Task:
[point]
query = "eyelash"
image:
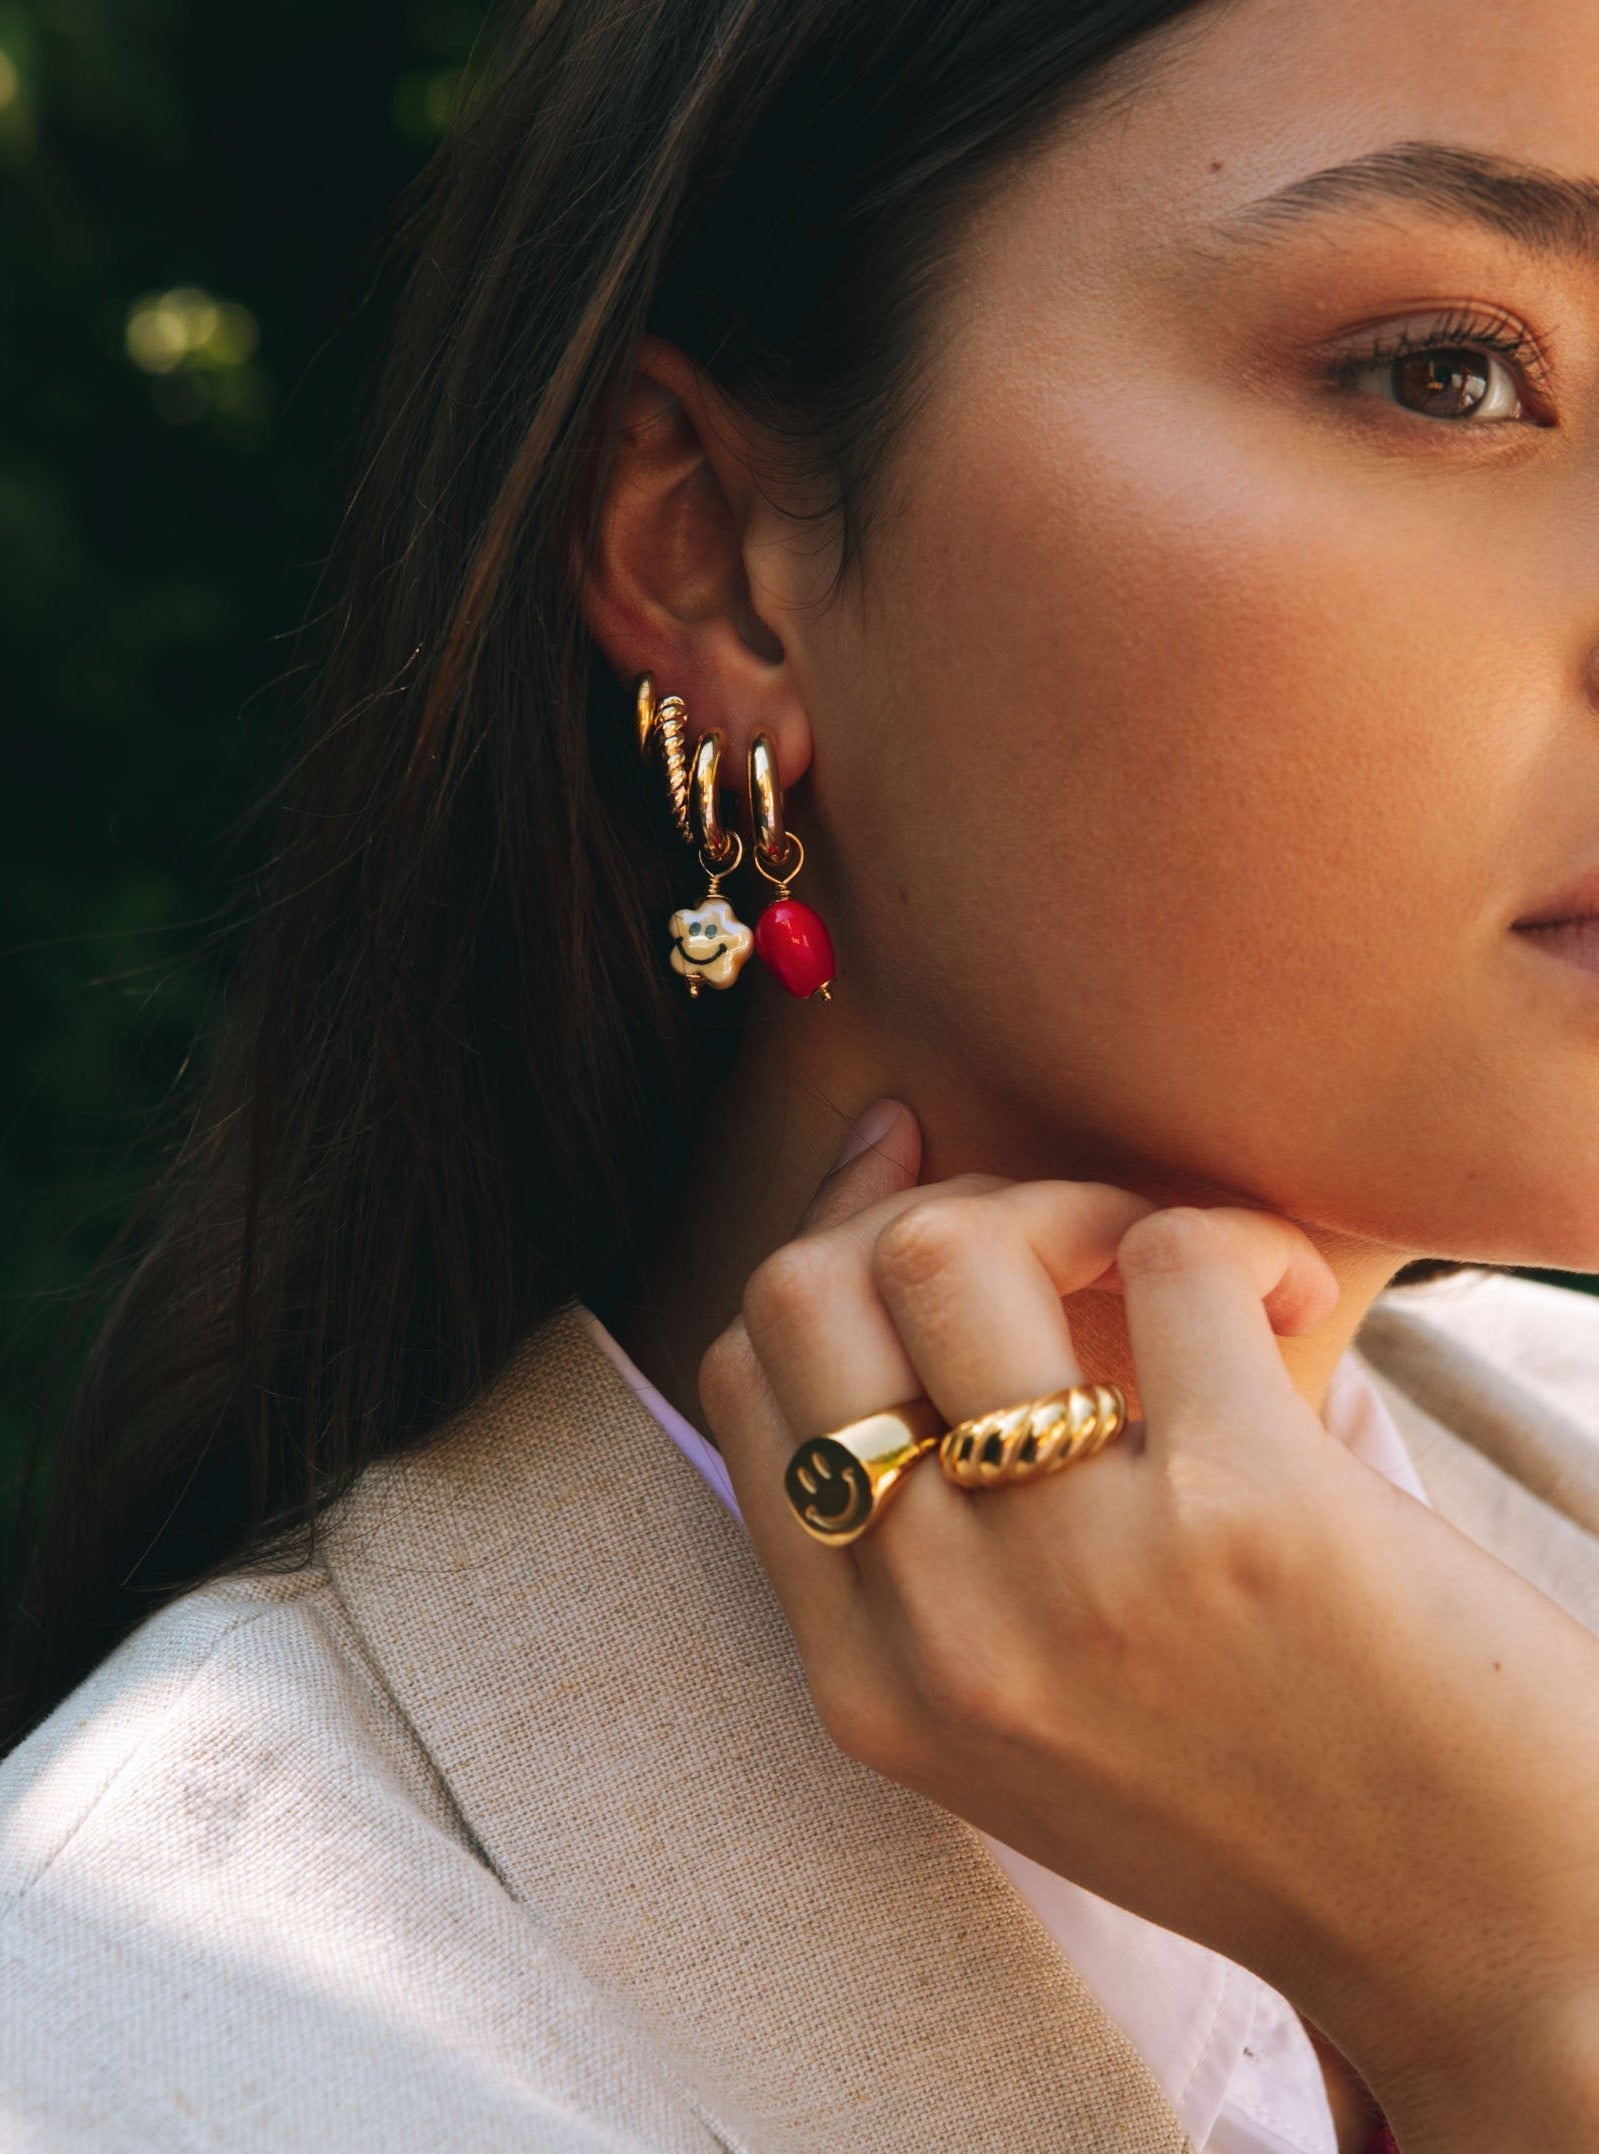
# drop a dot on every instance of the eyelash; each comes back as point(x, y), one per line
point(1506, 339)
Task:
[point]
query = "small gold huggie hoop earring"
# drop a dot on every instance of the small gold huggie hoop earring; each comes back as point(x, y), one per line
point(766, 807)
point(791, 940)
point(720, 849)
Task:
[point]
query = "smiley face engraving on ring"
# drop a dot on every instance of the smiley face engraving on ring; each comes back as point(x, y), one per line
point(828, 1488)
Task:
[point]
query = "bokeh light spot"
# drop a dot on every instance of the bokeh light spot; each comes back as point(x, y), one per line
point(425, 102)
point(186, 327)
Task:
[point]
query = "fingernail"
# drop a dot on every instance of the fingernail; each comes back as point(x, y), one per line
point(868, 1128)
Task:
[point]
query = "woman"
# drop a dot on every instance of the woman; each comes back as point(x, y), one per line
point(1120, 481)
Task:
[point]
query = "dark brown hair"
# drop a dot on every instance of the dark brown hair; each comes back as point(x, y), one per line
point(442, 1096)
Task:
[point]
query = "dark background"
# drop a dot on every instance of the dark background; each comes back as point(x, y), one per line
point(191, 197)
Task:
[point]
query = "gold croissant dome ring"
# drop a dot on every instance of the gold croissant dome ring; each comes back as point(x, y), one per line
point(837, 1485)
point(1021, 1443)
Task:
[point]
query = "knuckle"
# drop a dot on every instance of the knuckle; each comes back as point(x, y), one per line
point(960, 1685)
point(1166, 1243)
point(920, 1244)
point(1225, 1539)
point(1198, 1499)
point(793, 1287)
point(1104, 1192)
point(975, 1694)
point(973, 1184)
point(966, 1673)
point(1111, 1620)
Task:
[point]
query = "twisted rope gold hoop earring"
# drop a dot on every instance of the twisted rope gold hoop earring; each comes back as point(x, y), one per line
point(664, 726)
point(709, 942)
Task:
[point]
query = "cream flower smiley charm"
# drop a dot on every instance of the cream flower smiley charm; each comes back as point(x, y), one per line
point(709, 944)
point(709, 941)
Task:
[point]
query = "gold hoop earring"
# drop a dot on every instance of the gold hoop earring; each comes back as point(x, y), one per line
point(709, 943)
point(723, 848)
point(663, 727)
point(791, 939)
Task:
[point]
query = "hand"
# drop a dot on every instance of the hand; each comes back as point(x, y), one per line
point(1221, 1672)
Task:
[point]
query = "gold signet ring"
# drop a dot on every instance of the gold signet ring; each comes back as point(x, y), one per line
point(837, 1484)
point(1018, 1443)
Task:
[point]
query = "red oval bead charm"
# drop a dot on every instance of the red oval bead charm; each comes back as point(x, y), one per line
point(792, 943)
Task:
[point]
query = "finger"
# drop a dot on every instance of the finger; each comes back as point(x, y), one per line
point(810, 1311)
point(825, 1346)
point(813, 1582)
point(880, 1156)
point(1303, 1297)
point(974, 1282)
point(1194, 1284)
point(814, 1315)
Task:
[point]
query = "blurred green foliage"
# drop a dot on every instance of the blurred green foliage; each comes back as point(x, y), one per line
point(191, 198)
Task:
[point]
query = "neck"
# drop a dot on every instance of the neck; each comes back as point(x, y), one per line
point(775, 1130)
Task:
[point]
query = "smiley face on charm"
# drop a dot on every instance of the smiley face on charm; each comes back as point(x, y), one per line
point(709, 944)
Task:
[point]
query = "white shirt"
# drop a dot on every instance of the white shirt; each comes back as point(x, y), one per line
point(1230, 2054)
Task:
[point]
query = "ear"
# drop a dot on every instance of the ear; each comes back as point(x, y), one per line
point(666, 588)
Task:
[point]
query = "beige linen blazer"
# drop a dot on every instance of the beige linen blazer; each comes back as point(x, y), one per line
point(508, 1824)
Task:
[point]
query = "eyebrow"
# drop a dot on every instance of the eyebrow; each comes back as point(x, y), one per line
point(1540, 210)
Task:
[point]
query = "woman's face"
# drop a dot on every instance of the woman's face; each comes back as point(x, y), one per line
point(1224, 687)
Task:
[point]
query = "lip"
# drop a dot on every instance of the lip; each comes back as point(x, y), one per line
point(1578, 901)
point(1573, 942)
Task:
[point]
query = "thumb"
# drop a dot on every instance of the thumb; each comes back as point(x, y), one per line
point(879, 1157)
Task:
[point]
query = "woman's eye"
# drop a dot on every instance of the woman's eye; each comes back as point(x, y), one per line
point(1444, 382)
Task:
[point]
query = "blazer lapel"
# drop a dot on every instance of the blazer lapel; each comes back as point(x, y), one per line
point(1504, 1463)
point(588, 1647)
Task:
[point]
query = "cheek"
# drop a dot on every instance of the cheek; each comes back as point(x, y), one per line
point(1221, 735)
